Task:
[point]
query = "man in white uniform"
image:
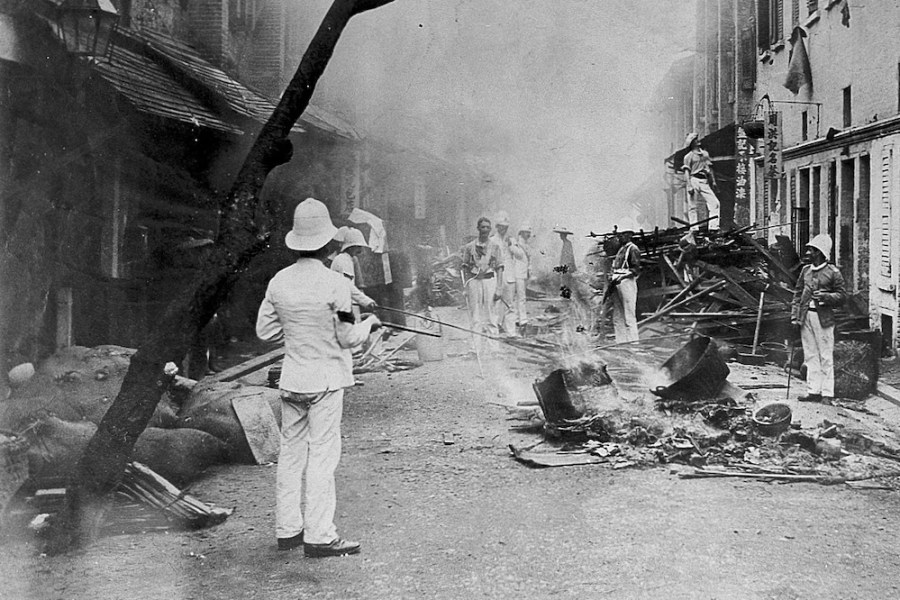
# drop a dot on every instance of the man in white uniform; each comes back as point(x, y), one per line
point(505, 306)
point(521, 253)
point(308, 307)
point(819, 290)
point(700, 181)
point(482, 267)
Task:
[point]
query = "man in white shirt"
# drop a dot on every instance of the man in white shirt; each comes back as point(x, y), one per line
point(308, 307)
point(700, 181)
point(505, 306)
point(352, 243)
point(520, 251)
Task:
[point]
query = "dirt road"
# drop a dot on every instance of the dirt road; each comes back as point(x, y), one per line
point(427, 485)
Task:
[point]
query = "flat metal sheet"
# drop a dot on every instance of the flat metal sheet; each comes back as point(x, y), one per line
point(259, 425)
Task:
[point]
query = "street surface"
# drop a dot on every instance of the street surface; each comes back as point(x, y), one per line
point(428, 487)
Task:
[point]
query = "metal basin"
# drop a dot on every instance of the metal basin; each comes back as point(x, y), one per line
point(695, 371)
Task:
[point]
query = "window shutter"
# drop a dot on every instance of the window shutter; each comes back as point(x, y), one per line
point(779, 21)
point(886, 212)
point(795, 13)
point(762, 23)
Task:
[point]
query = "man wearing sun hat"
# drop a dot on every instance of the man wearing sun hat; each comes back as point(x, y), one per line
point(700, 181)
point(505, 305)
point(308, 306)
point(521, 251)
point(819, 290)
point(352, 243)
point(567, 266)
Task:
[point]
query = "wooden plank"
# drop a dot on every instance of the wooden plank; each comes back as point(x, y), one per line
point(250, 366)
point(771, 258)
point(674, 271)
point(734, 287)
point(672, 307)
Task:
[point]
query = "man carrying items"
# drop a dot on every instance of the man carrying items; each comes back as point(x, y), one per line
point(700, 181)
point(626, 269)
point(482, 267)
point(820, 289)
point(521, 252)
point(308, 307)
point(505, 306)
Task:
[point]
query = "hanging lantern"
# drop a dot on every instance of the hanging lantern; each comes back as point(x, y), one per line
point(86, 26)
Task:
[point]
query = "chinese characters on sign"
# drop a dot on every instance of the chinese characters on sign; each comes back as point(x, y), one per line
point(773, 145)
point(742, 168)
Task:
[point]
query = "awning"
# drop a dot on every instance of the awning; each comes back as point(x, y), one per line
point(719, 144)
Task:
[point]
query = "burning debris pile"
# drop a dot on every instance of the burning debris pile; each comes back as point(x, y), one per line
point(693, 417)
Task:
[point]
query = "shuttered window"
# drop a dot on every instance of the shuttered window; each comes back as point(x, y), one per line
point(887, 160)
point(795, 13)
point(776, 21)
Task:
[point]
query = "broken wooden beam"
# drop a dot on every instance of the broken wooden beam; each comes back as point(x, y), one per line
point(250, 366)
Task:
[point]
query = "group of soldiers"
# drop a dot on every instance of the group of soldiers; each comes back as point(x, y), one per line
point(496, 266)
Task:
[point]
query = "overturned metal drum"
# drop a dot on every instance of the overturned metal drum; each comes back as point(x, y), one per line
point(695, 371)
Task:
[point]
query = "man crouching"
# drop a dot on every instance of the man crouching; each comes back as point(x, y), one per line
point(308, 306)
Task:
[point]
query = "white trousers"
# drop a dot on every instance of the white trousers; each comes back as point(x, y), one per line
point(520, 301)
point(480, 293)
point(703, 192)
point(505, 307)
point(624, 305)
point(818, 354)
point(310, 453)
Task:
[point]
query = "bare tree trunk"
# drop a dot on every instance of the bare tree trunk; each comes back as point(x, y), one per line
point(244, 234)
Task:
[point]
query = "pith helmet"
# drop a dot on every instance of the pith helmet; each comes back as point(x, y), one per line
point(822, 243)
point(502, 219)
point(690, 138)
point(353, 237)
point(312, 227)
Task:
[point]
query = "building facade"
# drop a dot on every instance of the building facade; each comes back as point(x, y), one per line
point(831, 71)
point(815, 88)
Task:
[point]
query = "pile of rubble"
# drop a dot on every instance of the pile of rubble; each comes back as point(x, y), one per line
point(696, 418)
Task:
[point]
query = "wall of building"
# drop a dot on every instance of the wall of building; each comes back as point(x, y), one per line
point(864, 55)
point(839, 162)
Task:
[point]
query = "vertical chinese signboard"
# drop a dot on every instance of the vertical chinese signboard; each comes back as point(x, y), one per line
point(773, 146)
point(743, 170)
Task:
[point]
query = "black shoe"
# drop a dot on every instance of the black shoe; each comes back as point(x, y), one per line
point(338, 547)
point(810, 398)
point(291, 542)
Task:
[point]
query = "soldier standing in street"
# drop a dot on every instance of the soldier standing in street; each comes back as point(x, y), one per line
point(505, 306)
point(819, 290)
point(482, 266)
point(626, 269)
point(521, 251)
point(308, 306)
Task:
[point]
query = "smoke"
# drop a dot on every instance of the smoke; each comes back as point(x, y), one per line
point(550, 96)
